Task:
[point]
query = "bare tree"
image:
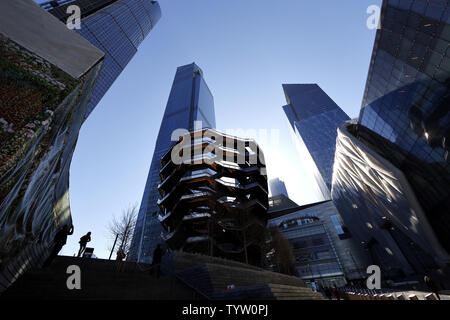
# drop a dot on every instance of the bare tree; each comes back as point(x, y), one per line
point(282, 255)
point(122, 229)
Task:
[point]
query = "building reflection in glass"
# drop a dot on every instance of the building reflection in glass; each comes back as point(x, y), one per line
point(391, 179)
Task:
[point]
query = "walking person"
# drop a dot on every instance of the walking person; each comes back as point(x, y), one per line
point(336, 293)
point(156, 262)
point(83, 242)
point(327, 293)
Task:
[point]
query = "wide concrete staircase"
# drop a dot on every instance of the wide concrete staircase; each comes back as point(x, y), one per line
point(184, 276)
point(217, 278)
point(269, 291)
point(100, 279)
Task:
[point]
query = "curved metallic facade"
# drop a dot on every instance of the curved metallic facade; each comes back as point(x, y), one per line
point(44, 96)
point(406, 102)
point(381, 209)
point(215, 198)
point(51, 79)
point(391, 180)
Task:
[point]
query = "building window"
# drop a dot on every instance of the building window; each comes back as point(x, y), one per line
point(318, 241)
point(341, 230)
point(323, 255)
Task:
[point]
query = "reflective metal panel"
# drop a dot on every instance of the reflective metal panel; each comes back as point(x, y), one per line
point(381, 209)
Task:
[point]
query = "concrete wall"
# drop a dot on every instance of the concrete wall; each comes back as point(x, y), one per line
point(33, 28)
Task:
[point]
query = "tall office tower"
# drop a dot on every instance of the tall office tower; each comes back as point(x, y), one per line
point(190, 100)
point(314, 118)
point(392, 168)
point(214, 197)
point(115, 27)
point(47, 75)
point(277, 187)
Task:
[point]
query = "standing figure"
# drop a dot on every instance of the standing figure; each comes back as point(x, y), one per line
point(120, 254)
point(157, 257)
point(328, 293)
point(59, 242)
point(336, 293)
point(83, 242)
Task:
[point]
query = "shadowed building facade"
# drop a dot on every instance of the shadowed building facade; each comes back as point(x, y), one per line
point(325, 253)
point(391, 179)
point(314, 118)
point(214, 196)
point(117, 27)
point(190, 101)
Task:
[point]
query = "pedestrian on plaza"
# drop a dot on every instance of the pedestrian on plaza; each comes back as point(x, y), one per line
point(328, 293)
point(156, 262)
point(59, 242)
point(83, 242)
point(336, 293)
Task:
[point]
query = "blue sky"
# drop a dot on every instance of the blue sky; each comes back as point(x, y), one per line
point(246, 49)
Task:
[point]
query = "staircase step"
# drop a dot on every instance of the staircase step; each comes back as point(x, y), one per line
point(100, 279)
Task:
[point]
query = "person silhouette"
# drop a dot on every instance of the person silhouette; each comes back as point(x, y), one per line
point(328, 293)
point(156, 262)
point(120, 254)
point(336, 293)
point(59, 242)
point(83, 242)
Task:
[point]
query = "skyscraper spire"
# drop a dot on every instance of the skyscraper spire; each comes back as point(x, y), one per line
point(314, 118)
point(190, 105)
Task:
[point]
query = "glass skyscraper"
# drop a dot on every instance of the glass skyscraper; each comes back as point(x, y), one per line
point(314, 117)
point(277, 187)
point(392, 168)
point(407, 100)
point(190, 101)
point(115, 27)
